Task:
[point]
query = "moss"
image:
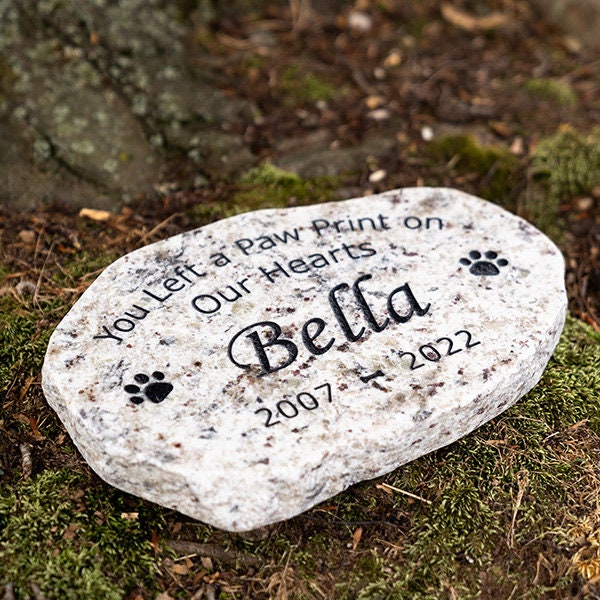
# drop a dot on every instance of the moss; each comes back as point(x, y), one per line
point(28, 324)
point(84, 265)
point(314, 549)
point(557, 91)
point(23, 340)
point(270, 187)
point(570, 387)
point(267, 186)
point(563, 166)
point(368, 581)
point(298, 86)
point(498, 170)
point(569, 162)
point(269, 174)
point(74, 540)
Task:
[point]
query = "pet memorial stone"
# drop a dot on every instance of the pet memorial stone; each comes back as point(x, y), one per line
point(247, 370)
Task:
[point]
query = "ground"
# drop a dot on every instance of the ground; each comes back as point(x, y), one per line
point(483, 97)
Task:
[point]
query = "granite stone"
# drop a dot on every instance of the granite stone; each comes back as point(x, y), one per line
point(245, 371)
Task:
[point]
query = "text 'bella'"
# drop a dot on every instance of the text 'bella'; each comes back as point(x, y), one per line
point(261, 345)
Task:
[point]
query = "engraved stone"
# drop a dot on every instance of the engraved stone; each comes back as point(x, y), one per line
point(247, 370)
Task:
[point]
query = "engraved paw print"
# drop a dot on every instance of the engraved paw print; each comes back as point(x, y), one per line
point(155, 391)
point(484, 267)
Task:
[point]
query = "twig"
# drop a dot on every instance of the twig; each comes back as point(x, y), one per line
point(523, 482)
point(154, 230)
point(387, 486)
point(26, 387)
point(38, 284)
point(213, 551)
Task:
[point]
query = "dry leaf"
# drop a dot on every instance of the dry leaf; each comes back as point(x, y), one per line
point(77, 495)
point(70, 531)
point(95, 215)
point(356, 537)
point(179, 569)
point(177, 527)
point(393, 59)
point(130, 516)
point(34, 427)
point(27, 236)
point(595, 580)
point(374, 101)
point(468, 22)
point(26, 460)
point(154, 542)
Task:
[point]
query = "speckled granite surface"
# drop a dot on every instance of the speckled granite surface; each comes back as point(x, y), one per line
point(245, 371)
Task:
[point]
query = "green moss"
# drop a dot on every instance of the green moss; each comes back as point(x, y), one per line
point(84, 265)
point(563, 166)
point(270, 187)
point(75, 540)
point(23, 339)
point(569, 391)
point(318, 545)
point(498, 170)
point(28, 324)
point(569, 162)
point(368, 581)
point(267, 186)
point(299, 86)
point(555, 90)
point(269, 174)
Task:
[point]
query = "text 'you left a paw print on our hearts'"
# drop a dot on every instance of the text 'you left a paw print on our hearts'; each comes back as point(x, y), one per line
point(152, 388)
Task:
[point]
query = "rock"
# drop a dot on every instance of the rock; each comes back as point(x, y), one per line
point(99, 96)
point(247, 370)
point(315, 159)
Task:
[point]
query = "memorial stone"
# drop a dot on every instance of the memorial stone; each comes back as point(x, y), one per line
point(245, 371)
